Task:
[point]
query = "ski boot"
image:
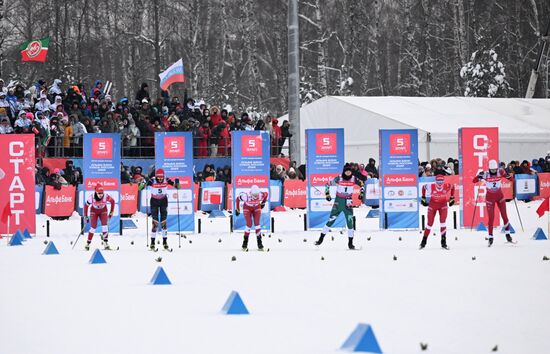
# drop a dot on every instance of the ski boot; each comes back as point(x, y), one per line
point(87, 245)
point(320, 240)
point(423, 242)
point(245, 244)
point(106, 246)
point(509, 238)
point(165, 244)
point(152, 247)
point(350, 243)
point(490, 240)
point(444, 242)
point(260, 244)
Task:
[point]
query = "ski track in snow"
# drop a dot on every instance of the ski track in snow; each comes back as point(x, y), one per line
point(298, 302)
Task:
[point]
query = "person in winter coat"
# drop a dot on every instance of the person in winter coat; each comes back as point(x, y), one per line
point(224, 144)
point(143, 93)
point(285, 133)
point(276, 138)
point(23, 123)
point(55, 90)
point(535, 166)
point(237, 125)
point(371, 169)
point(215, 116)
point(526, 168)
point(42, 104)
point(260, 125)
point(5, 127)
point(78, 133)
point(203, 138)
point(209, 173)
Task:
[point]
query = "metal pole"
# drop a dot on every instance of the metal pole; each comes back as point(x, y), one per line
point(294, 82)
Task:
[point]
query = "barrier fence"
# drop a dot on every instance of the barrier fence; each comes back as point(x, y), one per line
point(209, 196)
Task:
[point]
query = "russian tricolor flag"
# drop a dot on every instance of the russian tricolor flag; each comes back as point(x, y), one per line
point(172, 75)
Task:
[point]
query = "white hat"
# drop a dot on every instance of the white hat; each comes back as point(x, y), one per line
point(255, 190)
point(144, 100)
point(493, 165)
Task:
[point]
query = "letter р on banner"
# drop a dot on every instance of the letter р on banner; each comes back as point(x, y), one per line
point(17, 192)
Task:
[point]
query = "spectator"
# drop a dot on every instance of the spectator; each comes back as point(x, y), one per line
point(357, 172)
point(536, 167)
point(371, 169)
point(209, 173)
point(237, 125)
point(5, 127)
point(24, 122)
point(292, 173)
point(4, 104)
point(428, 171)
point(73, 175)
point(55, 90)
point(43, 103)
point(276, 138)
point(516, 168)
point(56, 180)
point(67, 136)
point(78, 132)
point(260, 125)
point(215, 116)
point(137, 174)
point(125, 176)
point(546, 164)
point(281, 173)
point(525, 168)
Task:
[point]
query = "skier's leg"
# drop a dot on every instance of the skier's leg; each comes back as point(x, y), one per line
point(491, 213)
point(155, 217)
point(504, 214)
point(334, 212)
point(104, 226)
point(427, 230)
point(258, 226)
point(348, 214)
point(91, 231)
point(442, 222)
point(163, 216)
point(248, 220)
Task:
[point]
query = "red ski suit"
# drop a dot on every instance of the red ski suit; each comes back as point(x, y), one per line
point(98, 210)
point(252, 210)
point(495, 197)
point(439, 197)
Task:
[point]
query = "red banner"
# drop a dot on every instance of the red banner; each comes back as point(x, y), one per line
point(17, 183)
point(229, 198)
point(295, 192)
point(53, 163)
point(455, 181)
point(128, 198)
point(476, 147)
point(544, 183)
point(59, 202)
point(283, 161)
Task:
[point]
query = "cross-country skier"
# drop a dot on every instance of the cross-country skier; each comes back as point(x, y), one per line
point(97, 207)
point(159, 203)
point(251, 203)
point(441, 193)
point(343, 202)
point(495, 196)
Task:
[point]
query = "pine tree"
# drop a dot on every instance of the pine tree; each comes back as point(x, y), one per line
point(484, 75)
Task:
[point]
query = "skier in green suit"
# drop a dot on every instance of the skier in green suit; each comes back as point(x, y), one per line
point(343, 202)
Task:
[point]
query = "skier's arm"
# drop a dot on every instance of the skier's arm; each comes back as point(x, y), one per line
point(264, 200)
point(238, 204)
point(86, 212)
point(479, 177)
point(361, 184)
point(452, 197)
point(423, 199)
point(332, 182)
point(144, 183)
point(112, 202)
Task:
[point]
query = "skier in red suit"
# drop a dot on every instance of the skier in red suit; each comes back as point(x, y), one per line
point(441, 193)
point(97, 205)
point(252, 204)
point(495, 197)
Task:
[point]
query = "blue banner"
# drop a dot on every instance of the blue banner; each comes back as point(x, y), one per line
point(174, 154)
point(212, 196)
point(250, 166)
point(101, 164)
point(324, 160)
point(372, 192)
point(526, 187)
point(399, 175)
point(275, 193)
point(38, 193)
point(425, 181)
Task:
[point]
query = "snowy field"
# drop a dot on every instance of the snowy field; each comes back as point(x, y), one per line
point(299, 303)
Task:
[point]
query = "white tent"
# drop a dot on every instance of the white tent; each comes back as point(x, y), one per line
point(524, 124)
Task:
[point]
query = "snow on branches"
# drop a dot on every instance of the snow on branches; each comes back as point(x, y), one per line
point(484, 75)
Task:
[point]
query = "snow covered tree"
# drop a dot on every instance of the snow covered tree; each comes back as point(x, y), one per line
point(484, 75)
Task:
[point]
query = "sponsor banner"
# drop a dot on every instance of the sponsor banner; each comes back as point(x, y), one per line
point(476, 146)
point(399, 176)
point(174, 154)
point(372, 192)
point(212, 196)
point(229, 198)
point(295, 192)
point(38, 193)
point(101, 164)
point(544, 185)
point(324, 161)
point(275, 192)
point(526, 186)
point(250, 166)
point(59, 203)
point(128, 198)
point(17, 193)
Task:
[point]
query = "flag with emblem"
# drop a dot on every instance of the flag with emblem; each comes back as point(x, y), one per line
point(35, 50)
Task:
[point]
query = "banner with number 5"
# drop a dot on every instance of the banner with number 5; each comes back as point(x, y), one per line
point(102, 166)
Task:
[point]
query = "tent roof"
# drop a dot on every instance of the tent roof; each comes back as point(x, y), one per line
point(445, 115)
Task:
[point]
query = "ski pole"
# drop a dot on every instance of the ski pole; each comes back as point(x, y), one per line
point(80, 233)
point(474, 214)
point(519, 215)
point(147, 215)
point(178, 203)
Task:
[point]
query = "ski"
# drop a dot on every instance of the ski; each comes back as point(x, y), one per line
point(445, 248)
point(153, 249)
point(112, 249)
point(168, 249)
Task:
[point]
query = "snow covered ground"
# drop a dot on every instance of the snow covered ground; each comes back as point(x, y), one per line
point(298, 302)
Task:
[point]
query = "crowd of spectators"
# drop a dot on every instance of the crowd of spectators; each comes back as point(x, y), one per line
point(60, 117)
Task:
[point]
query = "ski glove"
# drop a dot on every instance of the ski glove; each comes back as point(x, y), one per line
point(177, 183)
point(423, 201)
point(110, 215)
point(480, 175)
point(451, 201)
point(237, 212)
point(86, 219)
point(262, 204)
point(328, 197)
point(361, 194)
